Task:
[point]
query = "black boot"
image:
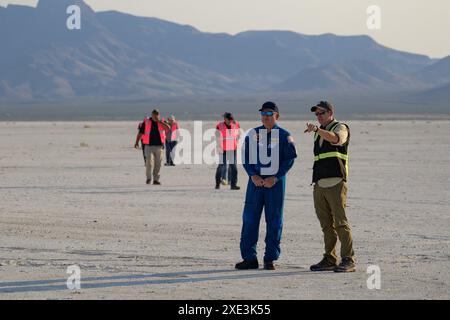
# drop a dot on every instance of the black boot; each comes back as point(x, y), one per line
point(247, 264)
point(268, 265)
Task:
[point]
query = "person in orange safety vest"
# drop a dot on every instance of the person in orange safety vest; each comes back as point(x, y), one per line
point(171, 140)
point(152, 134)
point(227, 137)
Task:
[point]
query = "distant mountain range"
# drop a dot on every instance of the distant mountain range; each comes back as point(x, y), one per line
point(120, 56)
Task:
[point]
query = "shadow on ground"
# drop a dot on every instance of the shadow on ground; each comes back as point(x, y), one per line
point(142, 280)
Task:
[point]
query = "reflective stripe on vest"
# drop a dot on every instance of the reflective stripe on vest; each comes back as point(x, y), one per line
point(330, 154)
point(229, 137)
point(333, 154)
point(148, 129)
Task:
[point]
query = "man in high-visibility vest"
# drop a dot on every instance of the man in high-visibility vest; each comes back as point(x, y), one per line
point(153, 135)
point(330, 173)
point(227, 135)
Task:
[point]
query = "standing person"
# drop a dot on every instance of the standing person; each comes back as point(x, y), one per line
point(265, 190)
point(153, 134)
point(171, 140)
point(330, 173)
point(227, 137)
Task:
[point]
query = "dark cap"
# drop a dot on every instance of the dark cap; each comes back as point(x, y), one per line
point(228, 115)
point(155, 111)
point(269, 105)
point(324, 105)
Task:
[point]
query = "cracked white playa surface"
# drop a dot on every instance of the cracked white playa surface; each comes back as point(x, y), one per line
point(74, 193)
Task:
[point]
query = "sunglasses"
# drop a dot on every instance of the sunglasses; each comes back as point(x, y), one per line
point(320, 113)
point(267, 113)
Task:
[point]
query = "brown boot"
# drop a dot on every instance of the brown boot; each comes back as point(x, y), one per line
point(347, 265)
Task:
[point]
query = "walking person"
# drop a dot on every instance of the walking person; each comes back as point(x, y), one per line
point(171, 140)
point(153, 134)
point(330, 174)
point(265, 188)
point(227, 135)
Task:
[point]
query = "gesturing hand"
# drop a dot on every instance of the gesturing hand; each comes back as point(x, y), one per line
point(311, 128)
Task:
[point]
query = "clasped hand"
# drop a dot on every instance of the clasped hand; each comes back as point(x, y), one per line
point(266, 183)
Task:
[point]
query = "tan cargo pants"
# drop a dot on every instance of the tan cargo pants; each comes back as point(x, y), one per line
point(154, 156)
point(330, 206)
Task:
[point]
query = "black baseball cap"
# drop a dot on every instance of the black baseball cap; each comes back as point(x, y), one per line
point(269, 105)
point(324, 105)
point(228, 115)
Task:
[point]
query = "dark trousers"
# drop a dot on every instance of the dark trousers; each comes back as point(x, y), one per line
point(170, 151)
point(227, 158)
point(226, 175)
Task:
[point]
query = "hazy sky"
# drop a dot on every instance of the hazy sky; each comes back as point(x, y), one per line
point(419, 26)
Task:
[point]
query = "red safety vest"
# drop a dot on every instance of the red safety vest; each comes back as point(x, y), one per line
point(174, 130)
point(228, 137)
point(148, 129)
point(139, 128)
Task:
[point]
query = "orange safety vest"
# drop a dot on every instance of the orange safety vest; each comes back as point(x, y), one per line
point(174, 130)
point(148, 129)
point(140, 126)
point(228, 137)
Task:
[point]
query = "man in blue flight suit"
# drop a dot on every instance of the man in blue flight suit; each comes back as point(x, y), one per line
point(268, 155)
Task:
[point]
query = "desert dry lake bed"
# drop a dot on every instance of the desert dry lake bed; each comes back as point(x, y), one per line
point(74, 193)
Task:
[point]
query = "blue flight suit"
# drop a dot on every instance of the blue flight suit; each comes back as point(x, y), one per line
point(271, 199)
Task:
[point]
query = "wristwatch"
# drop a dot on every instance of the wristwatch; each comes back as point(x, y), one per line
point(317, 128)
